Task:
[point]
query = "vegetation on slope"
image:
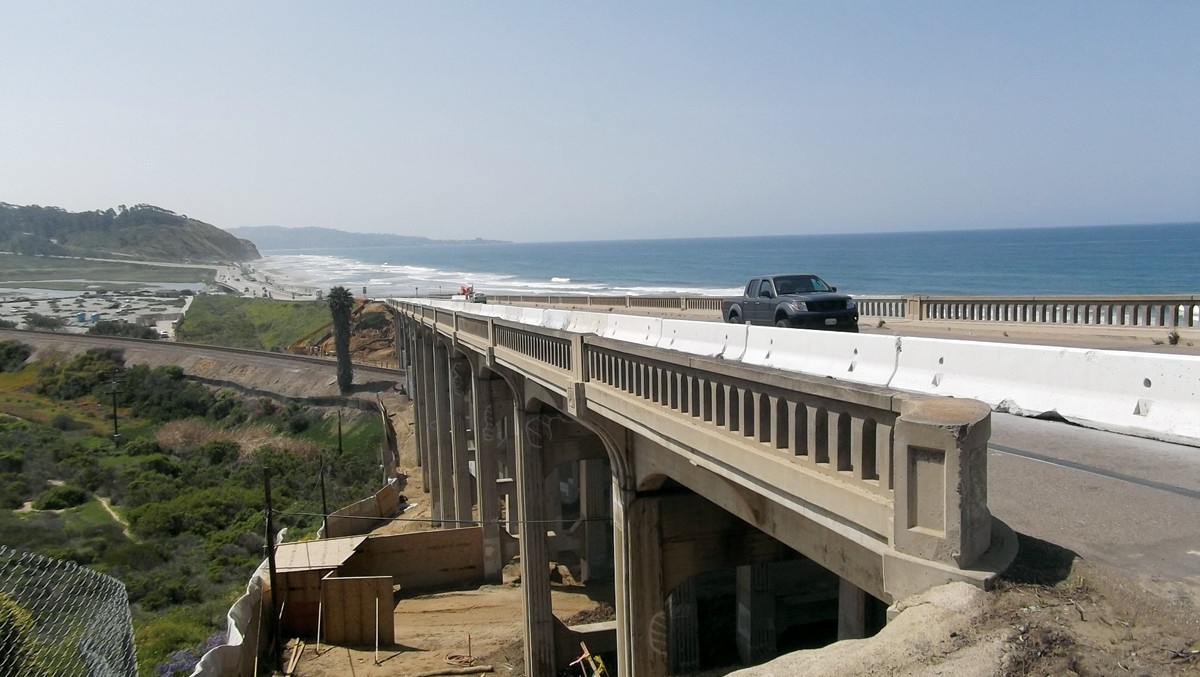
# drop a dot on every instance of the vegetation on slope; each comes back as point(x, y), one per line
point(262, 324)
point(141, 232)
point(186, 480)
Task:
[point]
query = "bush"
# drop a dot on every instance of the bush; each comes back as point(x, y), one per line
point(81, 375)
point(63, 421)
point(374, 320)
point(114, 328)
point(18, 642)
point(49, 322)
point(60, 498)
point(13, 355)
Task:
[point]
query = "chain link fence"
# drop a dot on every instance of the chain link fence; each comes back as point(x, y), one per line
point(60, 619)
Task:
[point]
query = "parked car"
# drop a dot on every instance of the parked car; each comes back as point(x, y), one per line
point(804, 301)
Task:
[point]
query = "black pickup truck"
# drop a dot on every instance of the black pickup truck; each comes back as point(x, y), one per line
point(804, 301)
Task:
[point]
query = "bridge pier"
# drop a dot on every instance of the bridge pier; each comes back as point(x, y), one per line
point(487, 436)
point(460, 473)
point(441, 460)
point(534, 546)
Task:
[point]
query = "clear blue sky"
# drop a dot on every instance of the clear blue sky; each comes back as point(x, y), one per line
point(573, 120)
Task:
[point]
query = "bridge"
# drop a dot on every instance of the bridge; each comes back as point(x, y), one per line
point(824, 497)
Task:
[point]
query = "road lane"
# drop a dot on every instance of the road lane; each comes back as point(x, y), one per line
point(1126, 502)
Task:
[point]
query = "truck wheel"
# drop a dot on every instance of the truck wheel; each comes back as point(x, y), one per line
point(781, 322)
point(734, 318)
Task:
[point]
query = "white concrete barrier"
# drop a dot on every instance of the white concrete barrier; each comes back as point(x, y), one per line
point(556, 319)
point(589, 323)
point(643, 331)
point(709, 339)
point(857, 358)
point(1141, 393)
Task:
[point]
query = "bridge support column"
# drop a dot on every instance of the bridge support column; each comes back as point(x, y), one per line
point(460, 471)
point(755, 613)
point(416, 378)
point(641, 623)
point(595, 507)
point(442, 452)
point(427, 424)
point(486, 473)
point(534, 549)
point(852, 611)
point(684, 628)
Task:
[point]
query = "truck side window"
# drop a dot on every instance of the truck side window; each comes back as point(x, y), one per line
point(765, 290)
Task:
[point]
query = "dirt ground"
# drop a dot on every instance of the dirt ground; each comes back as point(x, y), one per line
point(1052, 613)
point(447, 629)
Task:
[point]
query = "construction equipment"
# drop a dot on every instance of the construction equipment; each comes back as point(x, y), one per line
point(590, 665)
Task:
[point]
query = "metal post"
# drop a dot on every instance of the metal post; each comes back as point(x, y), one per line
point(116, 432)
point(273, 645)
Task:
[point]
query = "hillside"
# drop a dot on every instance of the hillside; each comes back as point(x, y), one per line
point(279, 237)
point(142, 232)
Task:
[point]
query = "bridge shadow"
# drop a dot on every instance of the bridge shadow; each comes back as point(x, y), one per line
point(1039, 562)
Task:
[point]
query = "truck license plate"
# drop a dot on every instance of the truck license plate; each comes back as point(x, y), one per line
point(831, 320)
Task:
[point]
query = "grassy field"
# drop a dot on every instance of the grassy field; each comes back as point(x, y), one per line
point(72, 274)
point(237, 322)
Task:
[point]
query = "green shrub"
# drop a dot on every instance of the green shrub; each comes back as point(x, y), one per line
point(374, 320)
point(115, 328)
point(60, 497)
point(65, 422)
point(13, 355)
point(18, 642)
point(81, 375)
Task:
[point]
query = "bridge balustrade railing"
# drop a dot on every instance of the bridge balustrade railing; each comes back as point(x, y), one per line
point(843, 432)
point(1107, 311)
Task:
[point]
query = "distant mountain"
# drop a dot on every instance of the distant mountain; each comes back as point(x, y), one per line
point(279, 237)
point(142, 232)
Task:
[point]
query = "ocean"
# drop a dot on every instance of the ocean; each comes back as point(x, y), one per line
point(1108, 260)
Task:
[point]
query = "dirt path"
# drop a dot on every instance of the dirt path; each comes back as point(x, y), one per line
point(107, 505)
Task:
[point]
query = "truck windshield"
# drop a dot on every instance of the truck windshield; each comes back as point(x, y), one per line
point(799, 284)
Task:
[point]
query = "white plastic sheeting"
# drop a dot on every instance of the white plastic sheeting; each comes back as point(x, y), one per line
point(236, 655)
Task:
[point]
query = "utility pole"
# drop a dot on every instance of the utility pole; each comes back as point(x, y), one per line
point(269, 612)
point(116, 432)
point(324, 505)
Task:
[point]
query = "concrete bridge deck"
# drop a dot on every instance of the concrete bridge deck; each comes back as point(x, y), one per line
point(884, 490)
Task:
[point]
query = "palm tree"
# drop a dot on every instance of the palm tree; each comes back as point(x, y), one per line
point(341, 302)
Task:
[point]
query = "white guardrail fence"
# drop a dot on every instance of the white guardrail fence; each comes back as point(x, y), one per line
point(1145, 394)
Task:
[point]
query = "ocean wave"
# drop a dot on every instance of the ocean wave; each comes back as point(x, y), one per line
point(387, 279)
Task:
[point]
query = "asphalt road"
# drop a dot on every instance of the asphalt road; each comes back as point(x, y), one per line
point(1126, 502)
